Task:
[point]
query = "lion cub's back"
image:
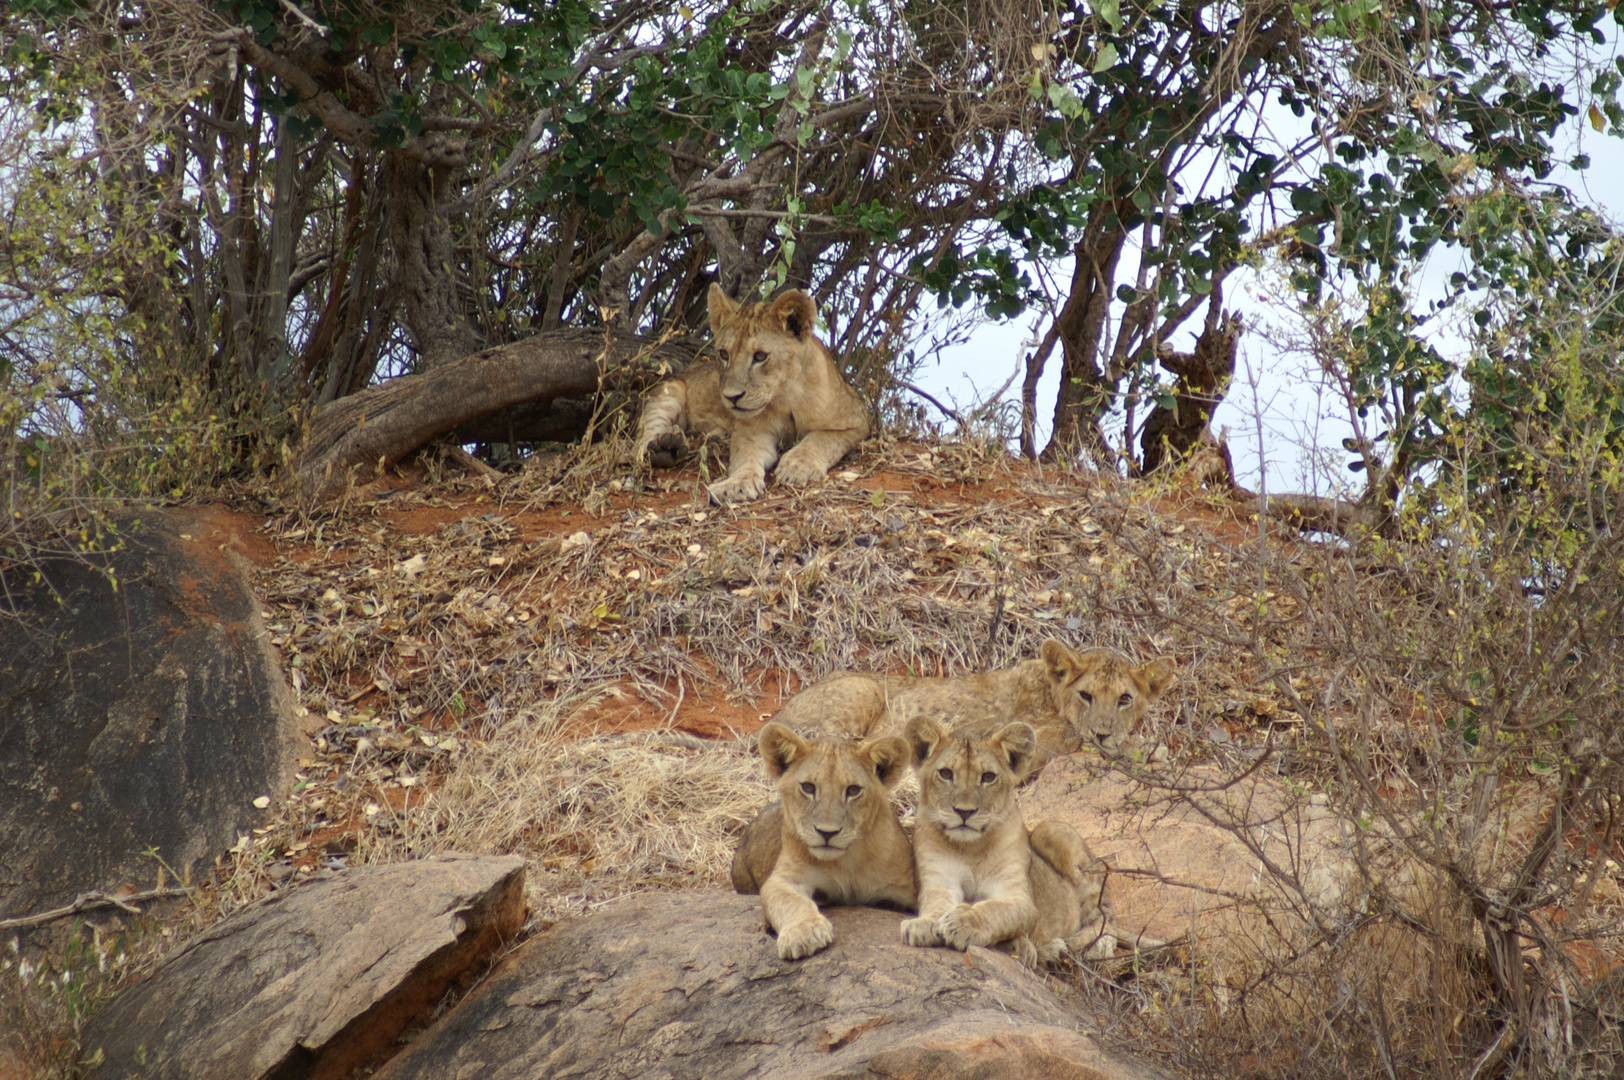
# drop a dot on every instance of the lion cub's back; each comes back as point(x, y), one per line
point(701, 385)
point(861, 706)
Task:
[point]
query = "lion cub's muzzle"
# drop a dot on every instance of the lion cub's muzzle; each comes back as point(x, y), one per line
point(961, 824)
point(826, 843)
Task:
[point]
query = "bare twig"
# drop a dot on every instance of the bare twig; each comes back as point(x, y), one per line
point(89, 900)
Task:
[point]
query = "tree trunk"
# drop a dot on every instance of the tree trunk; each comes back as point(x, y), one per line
point(1085, 391)
point(354, 438)
point(1172, 435)
point(426, 253)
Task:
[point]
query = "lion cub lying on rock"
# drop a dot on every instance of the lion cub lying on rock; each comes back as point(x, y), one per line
point(832, 837)
point(1071, 700)
point(775, 383)
point(983, 880)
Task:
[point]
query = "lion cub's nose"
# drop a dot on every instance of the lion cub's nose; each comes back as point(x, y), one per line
point(965, 814)
point(828, 834)
point(735, 398)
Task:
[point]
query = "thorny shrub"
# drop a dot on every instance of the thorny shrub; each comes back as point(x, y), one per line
point(1460, 686)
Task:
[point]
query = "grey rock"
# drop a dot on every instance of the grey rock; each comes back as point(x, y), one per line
point(146, 716)
point(313, 981)
point(682, 985)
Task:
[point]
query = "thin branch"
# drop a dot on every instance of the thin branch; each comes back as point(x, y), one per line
point(957, 416)
point(89, 900)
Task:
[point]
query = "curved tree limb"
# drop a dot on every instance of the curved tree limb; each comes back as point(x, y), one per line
point(354, 438)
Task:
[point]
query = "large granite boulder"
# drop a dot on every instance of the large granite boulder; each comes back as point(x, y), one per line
point(141, 707)
point(313, 981)
point(680, 985)
point(1208, 857)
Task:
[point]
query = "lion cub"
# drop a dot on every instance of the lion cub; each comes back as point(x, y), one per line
point(838, 840)
point(1072, 700)
point(775, 383)
point(982, 879)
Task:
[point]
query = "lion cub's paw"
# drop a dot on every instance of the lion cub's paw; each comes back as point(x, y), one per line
point(798, 470)
point(1035, 954)
point(961, 928)
point(736, 489)
point(920, 932)
point(1093, 944)
point(667, 451)
point(805, 938)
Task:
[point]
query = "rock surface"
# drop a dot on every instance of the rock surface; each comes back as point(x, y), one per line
point(315, 980)
point(682, 985)
point(1177, 863)
point(147, 716)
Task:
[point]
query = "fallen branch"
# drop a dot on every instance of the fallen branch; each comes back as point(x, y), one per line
point(89, 900)
point(355, 437)
point(1313, 513)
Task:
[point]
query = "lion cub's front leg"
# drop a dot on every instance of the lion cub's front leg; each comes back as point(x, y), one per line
point(937, 896)
point(802, 928)
point(750, 455)
point(987, 922)
point(660, 435)
point(811, 459)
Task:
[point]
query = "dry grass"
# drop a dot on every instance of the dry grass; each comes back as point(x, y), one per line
point(596, 817)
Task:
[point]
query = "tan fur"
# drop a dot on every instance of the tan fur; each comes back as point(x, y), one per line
point(839, 840)
point(1071, 700)
point(1068, 888)
point(775, 383)
point(983, 879)
point(970, 846)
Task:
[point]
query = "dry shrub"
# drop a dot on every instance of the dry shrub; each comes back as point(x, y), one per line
point(1456, 682)
point(595, 817)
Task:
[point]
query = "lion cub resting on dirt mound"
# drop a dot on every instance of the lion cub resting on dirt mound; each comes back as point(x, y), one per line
point(836, 841)
point(1070, 699)
point(982, 879)
point(775, 383)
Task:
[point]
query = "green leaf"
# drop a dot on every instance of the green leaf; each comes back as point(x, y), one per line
point(1106, 59)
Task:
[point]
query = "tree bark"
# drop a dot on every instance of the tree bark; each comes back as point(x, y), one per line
point(427, 261)
point(1172, 435)
point(354, 438)
point(1085, 389)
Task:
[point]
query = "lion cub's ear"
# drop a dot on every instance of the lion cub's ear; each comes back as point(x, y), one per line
point(781, 748)
point(887, 756)
point(1157, 676)
point(722, 308)
point(1063, 664)
point(923, 735)
point(795, 313)
point(1015, 743)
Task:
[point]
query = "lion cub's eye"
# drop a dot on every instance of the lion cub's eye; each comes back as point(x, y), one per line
point(1088, 699)
point(1124, 701)
point(808, 787)
point(989, 777)
point(854, 791)
point(723, 354)
point(945, 774)
point(759, 358)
